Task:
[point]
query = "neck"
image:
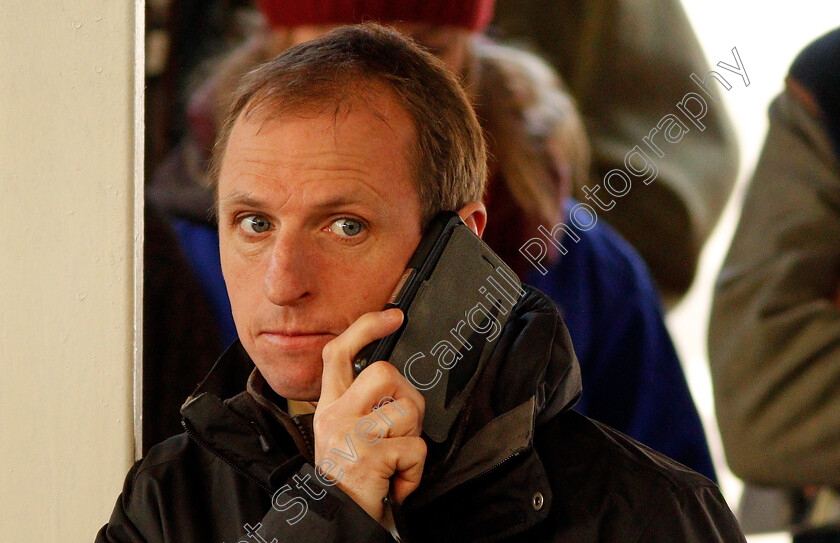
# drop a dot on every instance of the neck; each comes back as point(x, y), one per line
point(298, 407)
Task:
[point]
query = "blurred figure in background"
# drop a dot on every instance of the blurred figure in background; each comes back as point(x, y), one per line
point(774, 336)
point(627, 63)
point(632, 377)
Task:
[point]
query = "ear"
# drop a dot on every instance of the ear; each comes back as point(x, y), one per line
point(474, 215)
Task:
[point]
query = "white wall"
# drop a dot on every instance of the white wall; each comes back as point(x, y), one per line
point(67, 302)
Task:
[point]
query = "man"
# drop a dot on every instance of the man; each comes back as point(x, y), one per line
point(333, 159)
point(538, 149)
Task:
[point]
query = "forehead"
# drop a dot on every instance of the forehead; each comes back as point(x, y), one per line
point(361, 143)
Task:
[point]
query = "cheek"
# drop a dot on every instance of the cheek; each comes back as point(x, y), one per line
point(362, 284)
point(384, 271)
point(240, 273)
point(229, 267)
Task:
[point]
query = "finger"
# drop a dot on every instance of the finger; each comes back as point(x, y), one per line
point(398, 418)
point(382, 382)
point(407, 457)
point(338, 354)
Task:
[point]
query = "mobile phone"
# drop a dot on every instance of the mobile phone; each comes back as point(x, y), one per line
point(456, 294)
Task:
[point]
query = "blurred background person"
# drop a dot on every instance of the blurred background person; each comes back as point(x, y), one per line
point(632, 377)
point(774, 335)
point(627, 63)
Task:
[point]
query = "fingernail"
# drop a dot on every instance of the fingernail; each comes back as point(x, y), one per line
point(392, 314)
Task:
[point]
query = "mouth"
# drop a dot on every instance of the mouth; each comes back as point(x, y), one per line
point(293, 340)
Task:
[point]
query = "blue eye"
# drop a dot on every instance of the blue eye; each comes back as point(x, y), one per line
point(346, 227)
point(255, 224)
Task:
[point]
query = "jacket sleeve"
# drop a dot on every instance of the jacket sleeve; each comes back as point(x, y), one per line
point(323, 514)
point(319, 515)
point(774, 339)
point(693, 515)
point(625, 80)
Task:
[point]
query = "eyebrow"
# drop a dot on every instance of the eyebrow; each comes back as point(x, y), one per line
point(249, 200)
point(338, 201)
point(240, 198)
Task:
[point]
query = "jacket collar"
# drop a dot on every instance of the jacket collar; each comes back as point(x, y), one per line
point(532, 376)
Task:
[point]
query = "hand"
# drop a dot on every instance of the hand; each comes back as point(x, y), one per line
point(378, 448)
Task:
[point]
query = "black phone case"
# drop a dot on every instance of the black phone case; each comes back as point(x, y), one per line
point(456, 294)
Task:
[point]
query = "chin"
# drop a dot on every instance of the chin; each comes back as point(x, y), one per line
point(295, 382)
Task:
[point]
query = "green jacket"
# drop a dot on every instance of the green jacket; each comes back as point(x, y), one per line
point(774, 336)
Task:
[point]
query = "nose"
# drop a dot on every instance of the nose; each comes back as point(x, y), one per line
point(288, 278)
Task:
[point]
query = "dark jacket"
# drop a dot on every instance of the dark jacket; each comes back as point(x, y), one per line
point(520, 465)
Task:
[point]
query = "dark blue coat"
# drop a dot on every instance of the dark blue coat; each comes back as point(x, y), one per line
point(632, 378)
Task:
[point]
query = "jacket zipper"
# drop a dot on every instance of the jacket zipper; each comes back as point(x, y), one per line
point(263, 441)
point(310, 447)
point(207, 447)
point(490, 469)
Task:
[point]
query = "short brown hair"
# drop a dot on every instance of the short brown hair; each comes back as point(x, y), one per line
point(449, 160)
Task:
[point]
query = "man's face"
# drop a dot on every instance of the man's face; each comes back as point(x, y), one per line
point(318, 217)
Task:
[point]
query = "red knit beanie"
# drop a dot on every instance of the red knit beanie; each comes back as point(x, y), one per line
point(470, 14)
